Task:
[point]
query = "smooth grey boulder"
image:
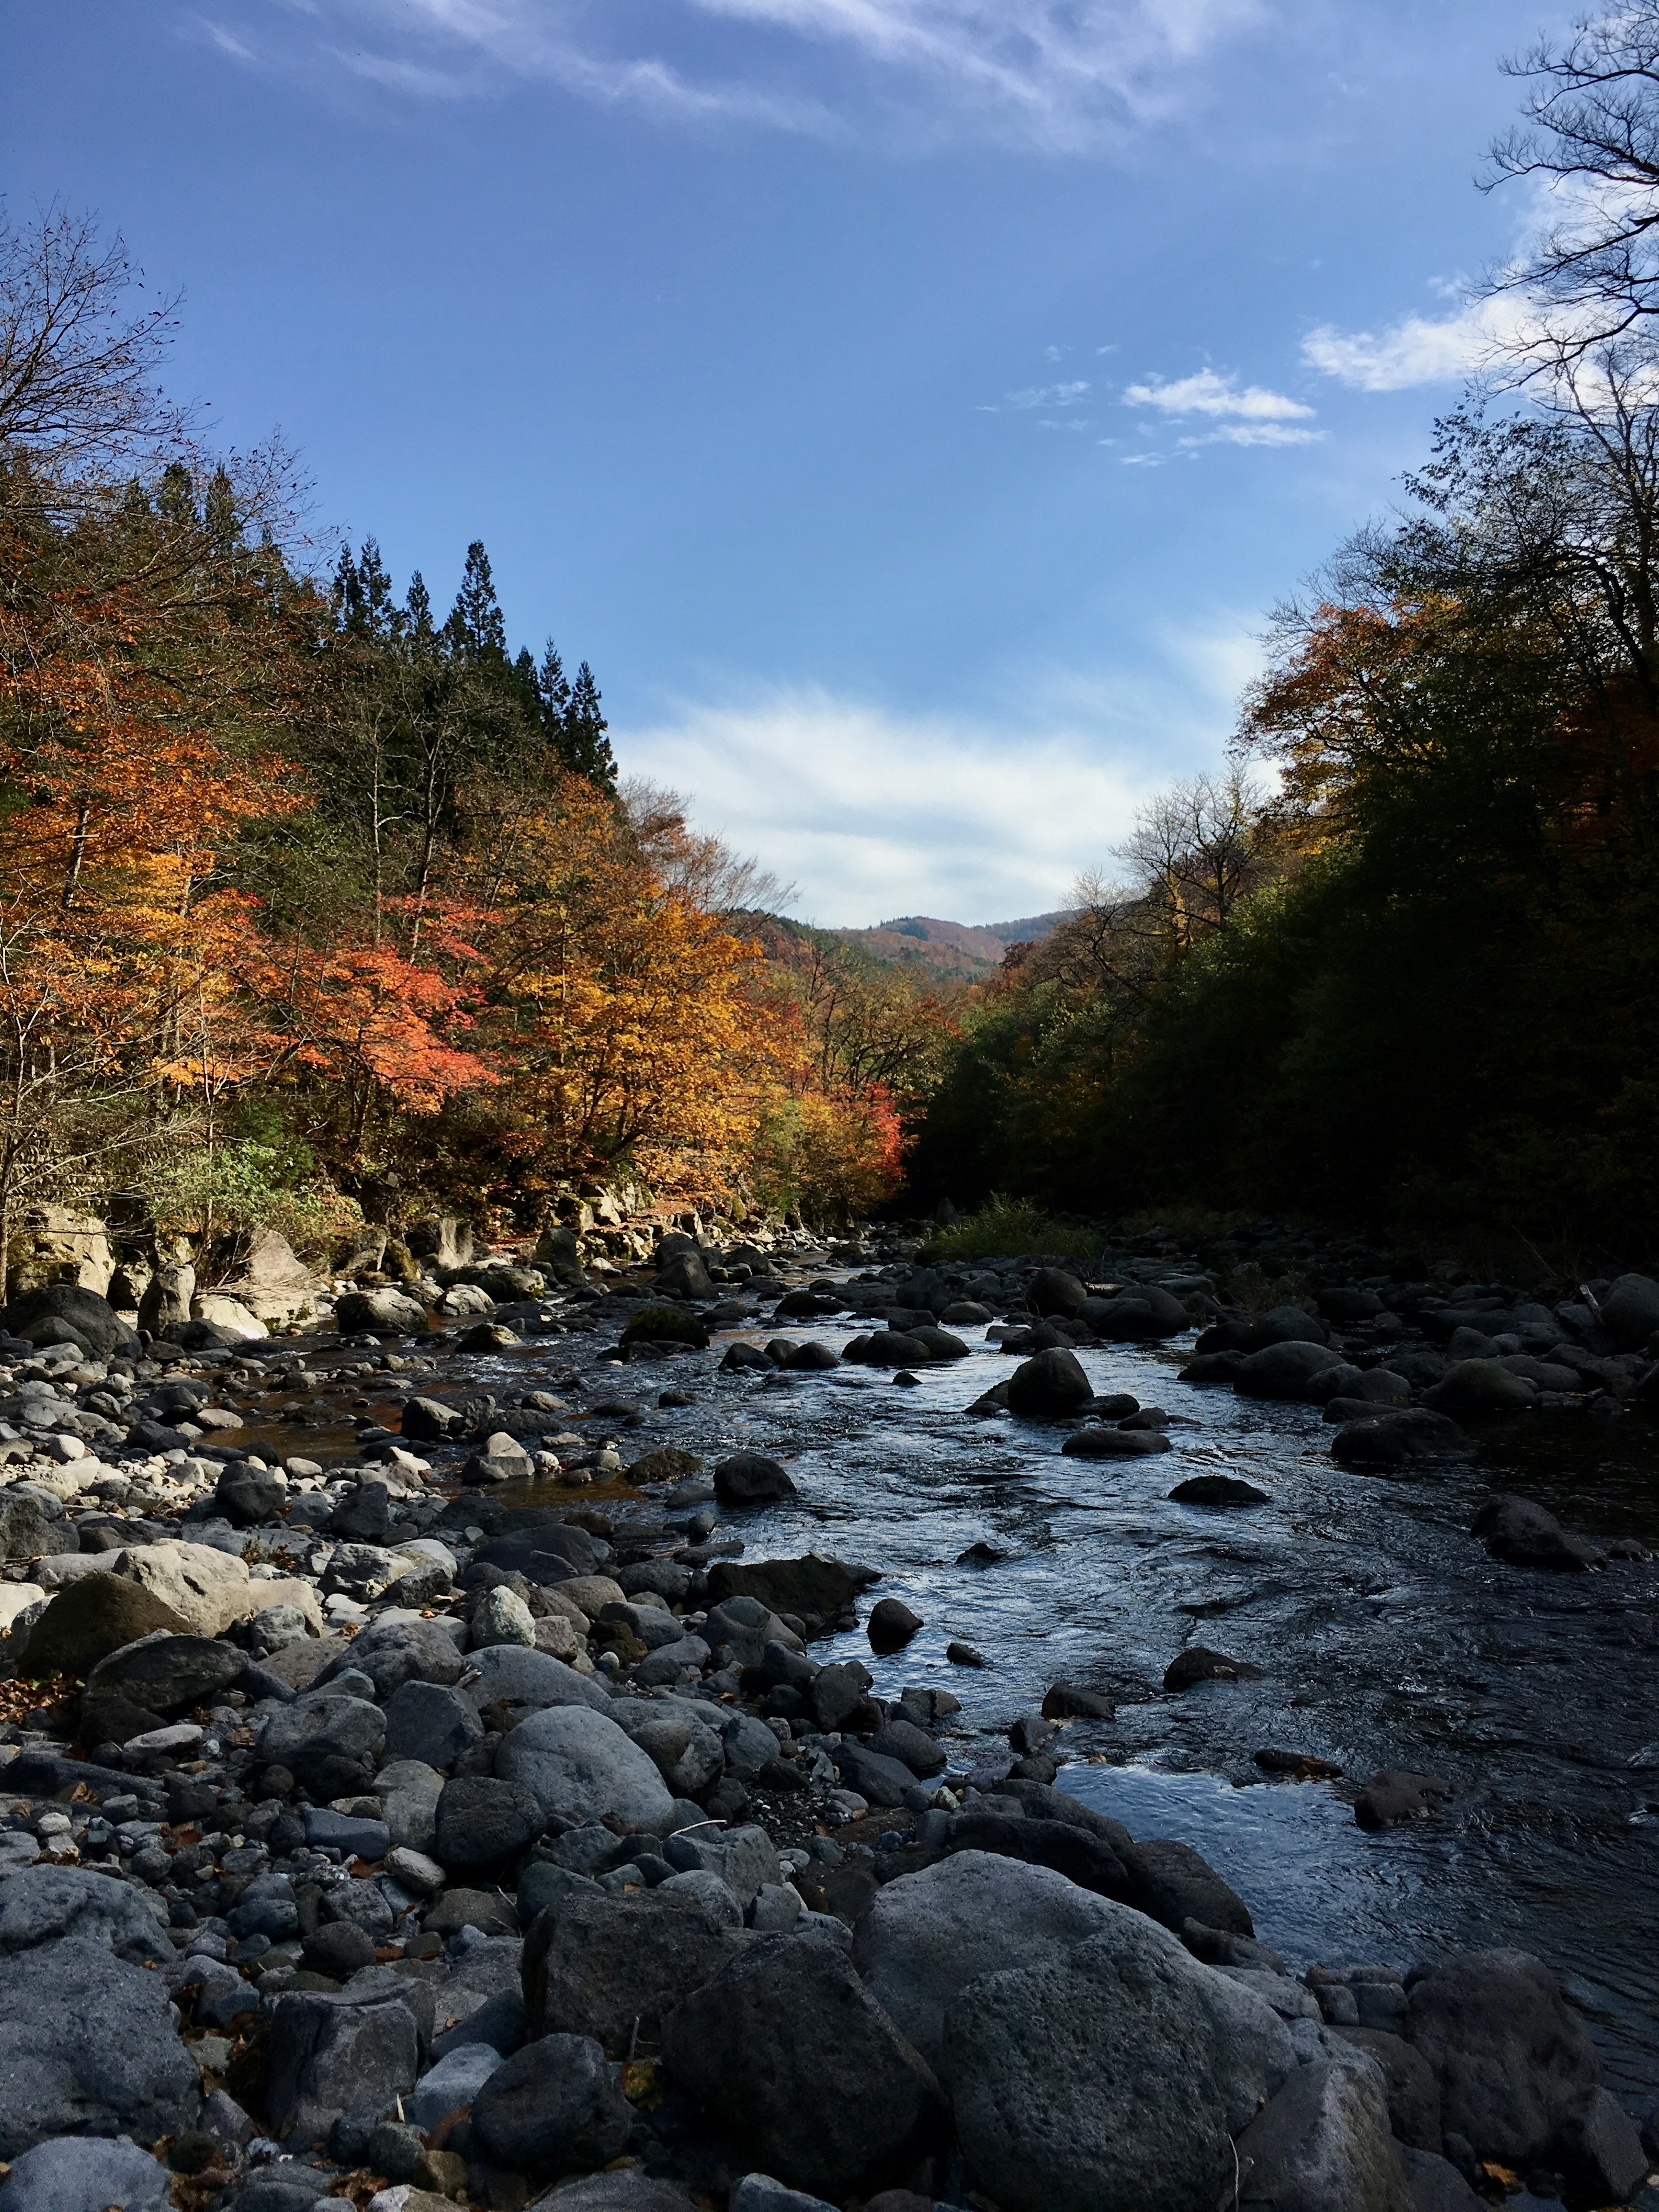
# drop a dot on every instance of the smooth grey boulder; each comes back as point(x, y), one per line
point(1284, 1370)
point(1480, 1389)
point(787, 2051)
point(581, 1767)
point(596, 1962)
point(382, 1312)
point(929, 1934)
point(430, 1721)
point(554, 2104)
point(526, 1677)
point(88, 2047)
point(1171, 1883)
point(393, 1652)
point(751, 1479)
point(635, 2191)
point(1523, 1534)
point(1514, 2062)
point(85, 2173)
point(39, 1904)
point(162, 1673)
point(328, 1743)
point(1049, 1383)
point(1323, 2141)
point(1109, 2077)
point(333, 2053)
point(1630, 1310)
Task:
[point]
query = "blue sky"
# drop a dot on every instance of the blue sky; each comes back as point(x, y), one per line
point(911, 408)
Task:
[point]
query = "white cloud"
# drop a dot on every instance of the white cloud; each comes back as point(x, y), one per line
point(1045, 395)
point(1062, 75)
point(1208, 393)
point(1256, 434)
point(872, 810)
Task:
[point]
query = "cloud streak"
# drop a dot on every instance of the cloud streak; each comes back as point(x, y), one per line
point(1061, 75)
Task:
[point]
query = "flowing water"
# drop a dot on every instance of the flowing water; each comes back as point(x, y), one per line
point(1386, 1637)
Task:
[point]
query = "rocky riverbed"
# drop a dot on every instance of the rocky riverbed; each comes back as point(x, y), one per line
point(1016, 1736)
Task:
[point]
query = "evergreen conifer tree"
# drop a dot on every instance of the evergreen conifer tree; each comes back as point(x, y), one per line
point(586, 747)
point(476, 627)
point(420, 612)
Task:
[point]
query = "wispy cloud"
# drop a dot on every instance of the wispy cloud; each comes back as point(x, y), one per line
point(1047, 395)
point(1208, 394)
point(1059, 75)
point(1420, 349)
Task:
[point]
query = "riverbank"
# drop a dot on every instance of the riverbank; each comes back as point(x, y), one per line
point(1368, 1609)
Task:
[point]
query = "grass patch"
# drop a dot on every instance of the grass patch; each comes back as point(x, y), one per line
point(1004, 1228)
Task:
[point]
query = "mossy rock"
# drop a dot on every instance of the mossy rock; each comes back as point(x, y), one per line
point(665, 1325)
point(668, 1463)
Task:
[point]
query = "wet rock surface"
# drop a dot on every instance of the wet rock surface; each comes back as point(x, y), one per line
point(468, 1755)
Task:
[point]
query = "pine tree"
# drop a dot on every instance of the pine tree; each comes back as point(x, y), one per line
point(586, 747)
point(348, 593)
point(420, 613)
point(374, 585)
point(554, 687)
point(476, 628)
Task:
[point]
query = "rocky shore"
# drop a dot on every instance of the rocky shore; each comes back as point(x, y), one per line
point(414, 1792)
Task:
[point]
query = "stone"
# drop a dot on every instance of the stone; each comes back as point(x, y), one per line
point(358, 1835)
point(501, 1617)
point(758, 2192)
point(553, 2105)
point(246, 1496)
point(1217, 1490)
point(902, 1739)
point(481, 1824)
point(333, 2053)
point(1144, 1315)
point(1480, 1389)
point(1395, 1795)
point(1049, 1384)
point(1630, 1310)
point(71, 2173)
point(270, 1281)
point(409, 1793)
point(338, 1949)
point(231, 1322)
point(26, 1533)
point(596, 1960)
point(1172, 1884)
point(1283, 1370)
point(685, 1751)
point(393, 1652)
point(266, 1907)
point(508, 1672)
point(1323, 2141)
point(1413, 2092)
point(382, 1312)
point(208, 1590)
point(503, 1458)
point(1197, 1663)
point(1394, 1437)
point(684, 1276)
point(813, 1584)
point(455, 2080)
point(1097, 1442)
point(1087, 1858)
point(1514, 2065)
point(1435, 2184)
point(164, 1672)
point(929, 1934)
point(1052, 1290)
point(167, 1300)
point(789, 2053)
point(580, 1766)
point(90, 1619)
point(1069, 1701)
point(91, 1318)
point(431, 1723)
point(891, 1625)
point(40, 1905)
point(88, 2048)
point(1109, 2076)
point(328, 1743)
point(751, 1479)
point(1526, 1535)
point(635, 2191)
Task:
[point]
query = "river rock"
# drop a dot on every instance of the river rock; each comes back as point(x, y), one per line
point(207, 1588)
point(1413, 2091)
point(581, 1767)
point(383, 1312)
point(1049, 1384)
point(751, 1479)
point(1085, 1857)
point(482, 1823)
point(26, 1533)
point(1217, 1490)
point(929, 1934)
point(88, 2047)
point(409, 1792)
point(1435, 2183)
point(1172, 1884)
point(79, 2173)
point(1052, 1290)
point(455, 2080)
point(1323, 2141)
point(1393, 1437)
point(1098, 1442)
point(246, 1496)
point(501, 1617)
point(88, 1619)
point(789, 2053)
point(1109, 2077)
point(1480, 1389)
point(1198, 1663)
point(684, 1750)
point(90, 1318)
point(332, 2054)
point(1395, 1795)
point(554, 2104)
point(891, 1625)
point(431, 1723)
point(517, 1677)
point(329, 1744)
point(40, 1905)
point(1525, 1535)
point(1143, 1315)
point(595, 1962)
point(1630, 1310)
point(164, 1674)
point(1284, 1370)
point(635, 2191)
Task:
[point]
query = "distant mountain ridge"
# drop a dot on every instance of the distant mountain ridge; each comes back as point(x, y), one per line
point(945, 949)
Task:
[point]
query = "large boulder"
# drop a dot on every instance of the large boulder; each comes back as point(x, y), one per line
point(684, 1275)
point(164, 1674)
point(1143, 1315)
point(483, 1824)
point(166, 1304)
point(1085, 1858)
point(1172, 1884)
point(1323, 2141)
point(329, 1744)
point(58, 1313)
point(1052, 1290)
point(751, 1479)
point(1111, 2077)
point(207, 1588)
point(332, 2053)
point(1284, 1370)
point(393, 1652)
point(271, 1281)
point(1630, 1310)
point(581, 1768)
point(88, 1619)
point(788, 2051)
point(595, 1963)
point(1394, 1435)
point(553, 2105)
point(519, 1676)
point(1515, 2065)
point(1481, 1390)
point(40, 1905)
point(1526, 1535)
point(379, 1313)
point(75, 2173)
point(88, 2047)
point(27, 1534)
point(928, 1934)
point(815, 1584)
point(1048, 1384)
point(428, 1722)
